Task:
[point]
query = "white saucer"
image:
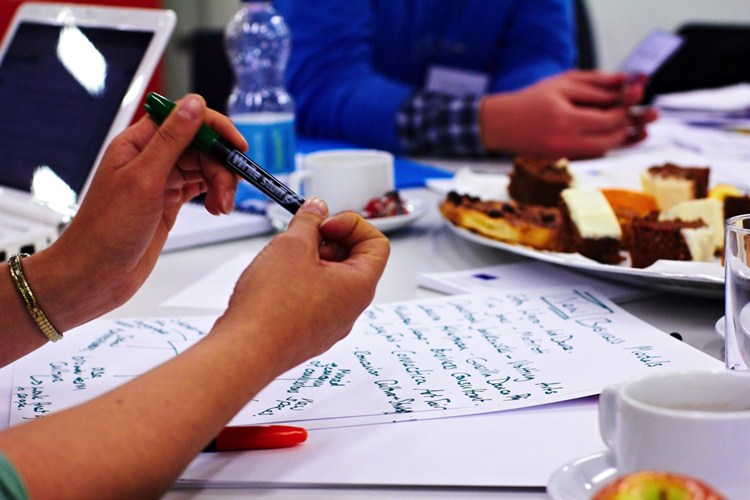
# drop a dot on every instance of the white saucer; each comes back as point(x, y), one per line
point(280, 217)
point(579, 479)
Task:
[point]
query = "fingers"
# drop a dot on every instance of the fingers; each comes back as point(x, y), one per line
point(354, 241)
point(172, 138)
point(586, 93)
point(594, 120)
point(221, 185)
point(595, 131)
point(169, 147)
point(643, 116)
point(348, 237)
point(225, 128)
point(309, 216)
point(598, 78)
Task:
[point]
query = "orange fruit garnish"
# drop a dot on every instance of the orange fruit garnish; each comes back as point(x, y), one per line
point(627, 202)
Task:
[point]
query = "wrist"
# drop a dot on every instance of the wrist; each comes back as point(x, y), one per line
point(18, 276)
point(261, 345)
point(64, 289)
point(495, 122)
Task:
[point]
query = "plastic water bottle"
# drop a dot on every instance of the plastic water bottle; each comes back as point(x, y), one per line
point(258, 42)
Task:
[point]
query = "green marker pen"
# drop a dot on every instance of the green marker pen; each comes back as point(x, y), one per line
point(208, 141)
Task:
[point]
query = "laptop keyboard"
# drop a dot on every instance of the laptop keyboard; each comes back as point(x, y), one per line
point(18, 234)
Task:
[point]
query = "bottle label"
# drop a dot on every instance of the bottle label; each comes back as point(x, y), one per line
point(271, 139)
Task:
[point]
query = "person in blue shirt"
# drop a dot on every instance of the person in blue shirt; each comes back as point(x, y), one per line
point(454, 77)
point(134, 441)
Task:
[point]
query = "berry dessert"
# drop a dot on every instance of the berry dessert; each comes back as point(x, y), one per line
point(388, 205)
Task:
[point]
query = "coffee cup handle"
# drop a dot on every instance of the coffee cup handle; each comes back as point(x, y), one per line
point(296, 179)
point(608, 415)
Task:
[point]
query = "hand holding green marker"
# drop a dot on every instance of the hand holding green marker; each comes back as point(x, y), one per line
point(210, 142)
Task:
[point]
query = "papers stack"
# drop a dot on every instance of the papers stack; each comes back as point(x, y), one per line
point(725, 107)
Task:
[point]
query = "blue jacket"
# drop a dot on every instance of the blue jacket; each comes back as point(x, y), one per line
point(354, 62)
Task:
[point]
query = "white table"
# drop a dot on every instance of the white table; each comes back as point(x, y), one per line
point(426, 245)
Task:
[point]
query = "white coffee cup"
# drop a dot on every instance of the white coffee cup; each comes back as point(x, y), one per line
point(345, 178)
point(695, 423)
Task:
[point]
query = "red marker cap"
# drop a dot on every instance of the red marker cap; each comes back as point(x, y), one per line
point(257, 437)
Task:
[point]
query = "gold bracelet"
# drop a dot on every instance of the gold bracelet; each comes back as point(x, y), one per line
point(16, 272)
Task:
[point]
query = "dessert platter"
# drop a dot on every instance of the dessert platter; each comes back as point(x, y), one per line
point(698, 279)
point(657, 225)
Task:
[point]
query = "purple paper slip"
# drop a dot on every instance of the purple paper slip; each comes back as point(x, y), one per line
point(651, 53)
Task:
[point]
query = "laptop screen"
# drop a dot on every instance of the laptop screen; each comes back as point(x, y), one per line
point(60, 89)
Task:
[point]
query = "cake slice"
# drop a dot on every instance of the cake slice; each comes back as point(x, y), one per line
point(628, 205)
point(594, 231)
point(535, 226)
point(674, 239)
point(671, 184)
point(736, 205)
point(539, 181)
point(709, 210)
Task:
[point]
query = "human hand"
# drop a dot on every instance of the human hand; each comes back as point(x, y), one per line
point(304, 291)
point(115, 238)
point(578, 114)
point(633, 91)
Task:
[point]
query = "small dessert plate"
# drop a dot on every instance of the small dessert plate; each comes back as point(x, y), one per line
point(579, 479)
point(415, 209)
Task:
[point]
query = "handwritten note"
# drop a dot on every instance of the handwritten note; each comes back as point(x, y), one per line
point(94, 359)
point(457, 355)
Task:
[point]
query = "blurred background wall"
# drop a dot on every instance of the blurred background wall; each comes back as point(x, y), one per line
point(616, 25)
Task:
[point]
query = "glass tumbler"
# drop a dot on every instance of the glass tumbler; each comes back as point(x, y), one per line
point(737, 293)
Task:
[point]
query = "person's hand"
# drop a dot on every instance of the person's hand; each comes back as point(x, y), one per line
point(304, 291)
point(114, 240)
point(634, 89)
point(578, 114)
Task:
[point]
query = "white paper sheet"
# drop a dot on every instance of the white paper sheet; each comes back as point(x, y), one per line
point(521, 275)
point(518, 448)
point(730, 99)
point(213, 291)
point(449, 356)
point(195, 226)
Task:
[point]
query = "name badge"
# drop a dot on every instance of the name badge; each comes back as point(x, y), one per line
point(457, 82)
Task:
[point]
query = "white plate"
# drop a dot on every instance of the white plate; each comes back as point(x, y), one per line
point(704, 279)
point(280, 217)
point(579, 479)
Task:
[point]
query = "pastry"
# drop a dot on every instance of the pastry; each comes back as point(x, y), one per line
point(654, 239)
point(535, 226)
point(627, 205)
point(538, 181)
point(671, 184)
point(594, 230)
point(709, 210)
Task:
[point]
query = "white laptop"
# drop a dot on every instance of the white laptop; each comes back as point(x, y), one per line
point(71, 78)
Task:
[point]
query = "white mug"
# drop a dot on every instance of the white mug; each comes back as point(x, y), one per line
point(345, 178)
point(695, 423)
